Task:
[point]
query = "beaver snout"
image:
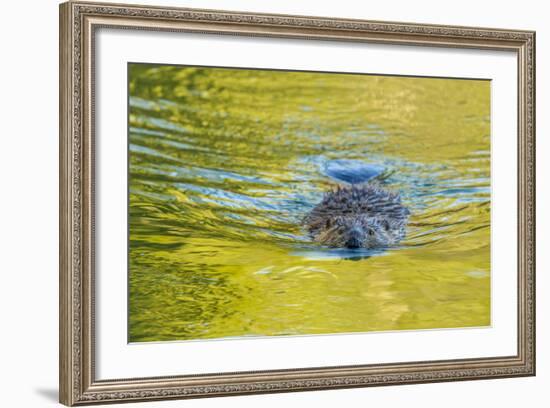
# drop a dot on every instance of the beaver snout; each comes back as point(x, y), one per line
point(355, 239)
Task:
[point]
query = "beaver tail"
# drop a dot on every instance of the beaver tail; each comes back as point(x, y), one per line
point(352, 171)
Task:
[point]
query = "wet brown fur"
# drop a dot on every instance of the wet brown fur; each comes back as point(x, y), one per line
point(358, 216)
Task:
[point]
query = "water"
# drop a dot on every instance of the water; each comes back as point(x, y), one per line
point(224, 164)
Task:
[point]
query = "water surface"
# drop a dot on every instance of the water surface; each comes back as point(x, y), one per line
point(224, 164)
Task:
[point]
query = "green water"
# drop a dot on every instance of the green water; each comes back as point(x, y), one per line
point(225, 163)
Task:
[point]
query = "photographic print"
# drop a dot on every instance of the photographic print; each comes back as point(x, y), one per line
point(271, 203)
point(286, 212)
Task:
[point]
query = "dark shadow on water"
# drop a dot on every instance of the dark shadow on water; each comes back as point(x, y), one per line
point(50, 394)
point(339, 253)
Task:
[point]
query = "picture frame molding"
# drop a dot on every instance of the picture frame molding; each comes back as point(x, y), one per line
point(78, 24)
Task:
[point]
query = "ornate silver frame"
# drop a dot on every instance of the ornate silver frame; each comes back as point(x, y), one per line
point(78, 22)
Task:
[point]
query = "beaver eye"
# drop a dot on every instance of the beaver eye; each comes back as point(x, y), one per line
point(386, 225)
point(371, 232)
point(327, 223)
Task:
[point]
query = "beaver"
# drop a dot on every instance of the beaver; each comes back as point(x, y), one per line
point(363, 215)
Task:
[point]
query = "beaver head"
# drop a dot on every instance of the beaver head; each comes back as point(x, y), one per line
point(358, 217)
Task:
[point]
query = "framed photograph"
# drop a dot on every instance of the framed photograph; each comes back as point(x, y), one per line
point(256, 203)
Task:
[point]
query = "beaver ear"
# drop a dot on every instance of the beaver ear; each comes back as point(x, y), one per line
point(328, 223)
point(386, 225)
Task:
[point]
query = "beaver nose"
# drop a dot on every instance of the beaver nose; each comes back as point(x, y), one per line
point(353, 242)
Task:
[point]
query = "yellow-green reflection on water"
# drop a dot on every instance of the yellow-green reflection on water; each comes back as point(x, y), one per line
point(224, 164)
